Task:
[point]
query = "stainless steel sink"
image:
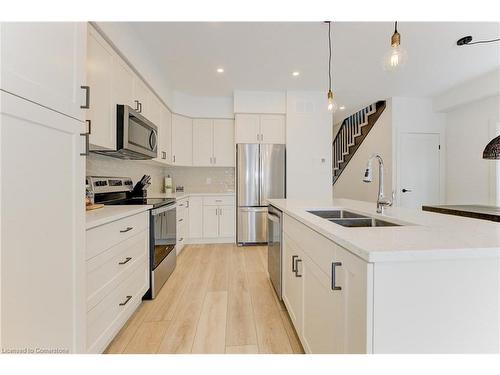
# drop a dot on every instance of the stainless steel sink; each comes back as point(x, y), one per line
point(336, 214)
point(364, 222)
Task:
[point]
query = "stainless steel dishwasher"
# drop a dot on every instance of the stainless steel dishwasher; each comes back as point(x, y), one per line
point(274, 247)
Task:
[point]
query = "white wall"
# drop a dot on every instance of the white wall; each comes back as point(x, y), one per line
point(260, 101)
point(308, 142)
point(379, 141)
point(469, 178)
point(200, 106)
point(416, 115)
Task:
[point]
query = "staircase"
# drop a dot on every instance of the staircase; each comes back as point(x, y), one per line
point(352, 133)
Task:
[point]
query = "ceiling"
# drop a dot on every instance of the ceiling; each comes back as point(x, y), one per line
point(262, 56)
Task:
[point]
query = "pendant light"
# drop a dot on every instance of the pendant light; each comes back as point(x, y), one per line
point(492, 149)
point(330, 93)
point(396, 56)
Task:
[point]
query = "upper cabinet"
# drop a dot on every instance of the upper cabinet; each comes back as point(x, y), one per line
point(182, 140)
point(44, 62)
point(142, 98)
point(213, 143)
point(255, 128)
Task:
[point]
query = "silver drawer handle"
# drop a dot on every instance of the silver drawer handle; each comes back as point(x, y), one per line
point(126, 301)
point(294, 267)
point(127, 259)
point(334, 266)
point(87, 97)
point(297, 268)
point(218, 200)
point(126, 230)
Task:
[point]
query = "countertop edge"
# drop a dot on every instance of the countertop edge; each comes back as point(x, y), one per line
point(96, 218)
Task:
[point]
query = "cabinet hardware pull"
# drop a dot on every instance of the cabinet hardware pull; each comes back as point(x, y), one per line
point(218, 200)
point(174, 158)
point(126, 301)
point(127, 259)
point(181, 220)
point(187, 204)
point(294, 257)
point(87, 97)
point(126, 230)
point(163, 155)
point(89, 122)
point(297, 268)
point(87, 144)
point(136, 105)
point(334, 266)
point(140, 107)
point(406, 190)
point(181, 239)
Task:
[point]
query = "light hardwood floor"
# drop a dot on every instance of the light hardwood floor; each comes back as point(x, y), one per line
point(218, 300)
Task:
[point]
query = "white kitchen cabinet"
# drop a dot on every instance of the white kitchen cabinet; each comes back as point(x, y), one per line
point(213, 143)
point(157, 117)
point(182, 140)
point(203, 141)
point(292, 288)
point(210, 221)
point(43, 265)
point(101, 115)
point(272, 129)
point(227, 221)
point(182, 213)
point(167, 138)
point(256, 128)
point(224, 149)
point(123, 85)
point(44, 62)
point(142, 97)
point(195, 218)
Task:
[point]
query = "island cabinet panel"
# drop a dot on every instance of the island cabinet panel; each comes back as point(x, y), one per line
point(327, 291)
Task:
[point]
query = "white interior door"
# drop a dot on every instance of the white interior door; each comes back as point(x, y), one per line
point(419, 169)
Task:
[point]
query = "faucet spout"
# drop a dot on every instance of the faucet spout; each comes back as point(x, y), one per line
point(382, 202)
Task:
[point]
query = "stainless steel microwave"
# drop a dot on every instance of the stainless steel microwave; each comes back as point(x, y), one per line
point(136, 136)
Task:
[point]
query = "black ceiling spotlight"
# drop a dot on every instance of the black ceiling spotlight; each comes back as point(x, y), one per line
point(467, 41)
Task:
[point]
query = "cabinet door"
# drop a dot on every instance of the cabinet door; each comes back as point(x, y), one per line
point(247, 128)
point(43, 305)
point(142, 95)
point(350, 317)
point(102, 112)
point(195, 217)
point(321, 306)
point(182, 140)
point(44, 62)
point(154, 116)
point(272, 128)
point(166, 121)
point(292, 287)
point(202, 142)
point(227, 221)
point(210, 221)
point(224, 148)
point(123, 85)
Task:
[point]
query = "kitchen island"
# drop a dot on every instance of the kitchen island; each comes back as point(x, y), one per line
point(429, 284)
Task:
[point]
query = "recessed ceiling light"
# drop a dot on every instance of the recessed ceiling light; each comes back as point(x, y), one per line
point(220, 70)
point(342, 107)
point(296, 73)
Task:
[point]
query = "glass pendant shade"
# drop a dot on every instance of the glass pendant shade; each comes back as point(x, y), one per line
point(492, 149)
point(395, 58)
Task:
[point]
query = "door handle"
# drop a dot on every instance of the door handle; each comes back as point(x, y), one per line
point(294, 269)
point(334, 285)
point(127, 259)
point(406, 190)
point(126, 301)
point(297, 268)
point(87, 97)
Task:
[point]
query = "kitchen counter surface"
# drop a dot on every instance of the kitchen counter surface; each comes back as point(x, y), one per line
point(108, 214)
point(187, 194)
point(426, 236)
point(473, 211)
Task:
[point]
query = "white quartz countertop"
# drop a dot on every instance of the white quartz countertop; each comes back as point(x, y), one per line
point(180, 195)
point(108, 214)
point(425, 236)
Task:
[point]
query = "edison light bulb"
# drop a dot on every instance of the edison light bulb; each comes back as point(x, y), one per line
point(395, 58)
point(330, 100)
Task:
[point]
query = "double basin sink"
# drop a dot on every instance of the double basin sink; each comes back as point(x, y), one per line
point(352, 219)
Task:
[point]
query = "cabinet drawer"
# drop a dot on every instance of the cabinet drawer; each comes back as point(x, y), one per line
point(320, 249)
point(103, 237)
point(107, 317)
point(108, 269)
point(225, 200)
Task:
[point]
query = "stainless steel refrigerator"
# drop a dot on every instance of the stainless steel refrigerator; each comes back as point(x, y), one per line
point(260, 175)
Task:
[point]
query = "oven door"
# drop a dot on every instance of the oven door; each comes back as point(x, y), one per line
point(163, 233)
point(139, 136)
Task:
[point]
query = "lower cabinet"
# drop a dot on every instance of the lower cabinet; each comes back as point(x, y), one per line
point(117, 276)
point(182, 214)
point(325, 290)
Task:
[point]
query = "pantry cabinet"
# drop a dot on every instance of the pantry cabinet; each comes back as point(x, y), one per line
point(326, 291)
point(182, 140)
point(213, 143)
point(44, 62)
point(257, 128)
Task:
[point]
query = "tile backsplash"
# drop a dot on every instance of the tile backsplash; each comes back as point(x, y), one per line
point(194, 179)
